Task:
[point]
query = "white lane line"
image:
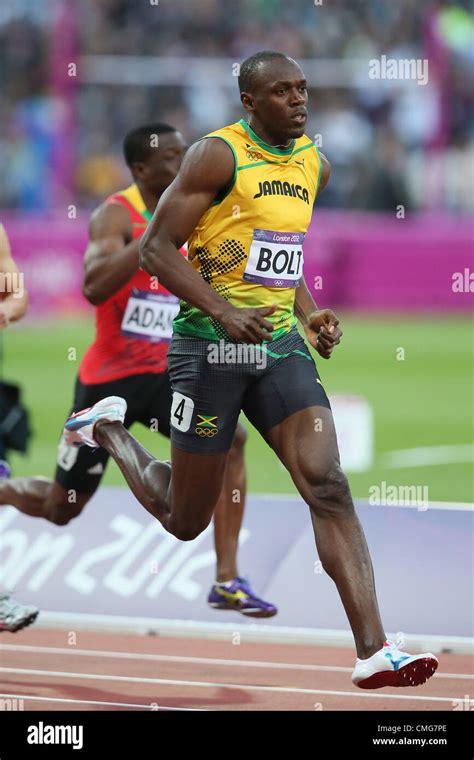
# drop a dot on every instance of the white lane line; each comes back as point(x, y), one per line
point(423, 456)
point(459, 506)
point(196, 660)
point(154, 707)
point(456, 507)
point(442, 505)
point(218, 685)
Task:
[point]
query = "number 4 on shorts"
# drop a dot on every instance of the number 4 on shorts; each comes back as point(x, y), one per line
point(181, 411)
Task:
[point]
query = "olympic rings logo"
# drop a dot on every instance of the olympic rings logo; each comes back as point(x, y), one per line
point(253, 155)
point(206, 432)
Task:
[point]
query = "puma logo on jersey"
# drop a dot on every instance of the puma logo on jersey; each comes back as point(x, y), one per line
point(282, 188)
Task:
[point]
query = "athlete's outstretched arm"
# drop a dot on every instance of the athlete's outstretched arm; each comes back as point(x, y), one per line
point(111, 257)
point(15, 298)
point(207, 169)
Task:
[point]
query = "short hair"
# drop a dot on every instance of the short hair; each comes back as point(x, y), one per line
point(249, 68)
point(137, 144)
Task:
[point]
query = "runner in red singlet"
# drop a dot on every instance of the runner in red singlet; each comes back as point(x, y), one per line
point(133, 326)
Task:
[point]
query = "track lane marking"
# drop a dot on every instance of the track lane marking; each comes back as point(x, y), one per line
point(158, 708)
point(197, 660)
point(218, 685)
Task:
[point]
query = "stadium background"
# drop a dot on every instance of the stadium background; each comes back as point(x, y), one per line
point(390, 143)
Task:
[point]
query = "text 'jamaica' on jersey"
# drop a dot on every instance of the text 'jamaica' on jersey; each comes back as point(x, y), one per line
point(248, 245)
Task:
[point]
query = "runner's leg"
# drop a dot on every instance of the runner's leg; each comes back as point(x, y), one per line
point(183, 503)
point(204, 414)
point(156, 414)
point(79, 471)
point(229, 510)
point(289, 407)
point(40, 497)
point(312, 460)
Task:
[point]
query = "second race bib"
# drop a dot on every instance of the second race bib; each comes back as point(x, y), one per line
point(149, 316)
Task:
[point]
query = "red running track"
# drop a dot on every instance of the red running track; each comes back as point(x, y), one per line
point(60, 670)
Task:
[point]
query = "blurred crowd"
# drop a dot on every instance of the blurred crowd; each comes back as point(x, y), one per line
point(388, 143)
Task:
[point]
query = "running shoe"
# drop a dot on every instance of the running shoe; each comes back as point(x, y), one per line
point(237, 595)
point(14, 616)
point(392, 667)
point(79, 427)
point(4, 470)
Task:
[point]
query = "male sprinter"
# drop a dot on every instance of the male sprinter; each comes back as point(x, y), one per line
point(13, 305)
point(134, 313)
point(243, 199)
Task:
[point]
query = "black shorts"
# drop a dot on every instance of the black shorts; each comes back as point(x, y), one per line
point(212, 381)
point(148, 398)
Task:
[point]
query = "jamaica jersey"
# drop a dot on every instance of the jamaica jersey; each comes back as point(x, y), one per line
point(248, 246)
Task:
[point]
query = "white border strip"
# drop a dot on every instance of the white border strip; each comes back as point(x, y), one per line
point(248, 631)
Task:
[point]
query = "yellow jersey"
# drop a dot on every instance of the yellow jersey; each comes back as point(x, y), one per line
point(248, 246)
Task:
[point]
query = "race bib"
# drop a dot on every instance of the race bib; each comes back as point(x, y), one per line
point(149, 316)
point(275, 259)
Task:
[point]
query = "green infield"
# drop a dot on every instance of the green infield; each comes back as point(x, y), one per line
point(416, 371)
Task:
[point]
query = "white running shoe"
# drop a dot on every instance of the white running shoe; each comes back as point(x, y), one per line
point(391, 667)
point(13, 615)
point(79, 427)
